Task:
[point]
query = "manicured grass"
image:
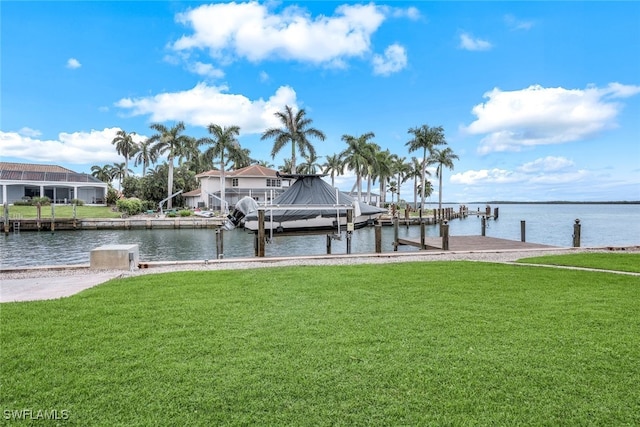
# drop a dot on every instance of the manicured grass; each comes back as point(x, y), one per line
point(605, 261)
point(63, 211)
point(438, 343)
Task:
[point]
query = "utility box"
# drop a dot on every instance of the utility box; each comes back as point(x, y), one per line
point(115, 257)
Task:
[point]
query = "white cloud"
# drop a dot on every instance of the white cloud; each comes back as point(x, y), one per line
point(547, 164)
point(264, 76)
point(467, 42)
point(394, 60)
point(517, 24)
point(536, 115)
point(205, 104)
point(76, 148)
point(206, 70)
point(483, 176)
point(25, 131)
point(251, 31)
point(73, 63)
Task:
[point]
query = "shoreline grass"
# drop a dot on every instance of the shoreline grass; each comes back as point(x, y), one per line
point(438, 343)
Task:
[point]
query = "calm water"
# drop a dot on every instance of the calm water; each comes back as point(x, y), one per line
point(602, 225)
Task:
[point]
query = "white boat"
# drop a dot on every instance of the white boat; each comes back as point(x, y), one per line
point(309, 205)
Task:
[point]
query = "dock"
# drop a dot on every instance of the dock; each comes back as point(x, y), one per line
point(472, 243)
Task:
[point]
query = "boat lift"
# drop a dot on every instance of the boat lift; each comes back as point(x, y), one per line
point(168, 198)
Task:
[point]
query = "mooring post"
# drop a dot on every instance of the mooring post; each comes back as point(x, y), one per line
point(328, 244)
point(522, 231)
point(261, 236)
point(378, 237)
point(219, 243)
point(395, 234)
point(6, 218)
point(38, 215)
point(495, 213)
point(484, 225)
point(445, 235)
point(576, 234)
point(422, 234)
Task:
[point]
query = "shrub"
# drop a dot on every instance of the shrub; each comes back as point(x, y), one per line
point(130, 206)
point(44, 201)
point(171, 214)
point(184, 212)
point(77, 202)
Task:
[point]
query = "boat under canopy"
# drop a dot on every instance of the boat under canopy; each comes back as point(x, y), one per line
point(312, 204)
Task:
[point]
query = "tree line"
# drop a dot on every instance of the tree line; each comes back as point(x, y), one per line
point(221, 150)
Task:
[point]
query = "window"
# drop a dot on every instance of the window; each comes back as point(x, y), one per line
point(234, 182)
point(272, 182)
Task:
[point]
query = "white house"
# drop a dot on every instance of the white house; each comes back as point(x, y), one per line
point(21, 181)
point(258, 182)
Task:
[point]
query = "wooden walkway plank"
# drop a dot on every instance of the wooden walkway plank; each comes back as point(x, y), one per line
point(472, 243)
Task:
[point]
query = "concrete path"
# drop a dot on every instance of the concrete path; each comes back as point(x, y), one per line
point(43, 288)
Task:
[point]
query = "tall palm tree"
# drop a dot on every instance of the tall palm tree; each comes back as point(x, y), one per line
point(357, 156)
point(223, 139)
point(286, 168)
point(383, 171)
point(443, 158)
point(310, 165)
point(125, 146)
point(119, 172)
point(296, 131)
point(333, 166)
point(103, 173)
point(145, 156)
point(425, 138)
point(264, 164)
point(370, 171)
point(169, 141)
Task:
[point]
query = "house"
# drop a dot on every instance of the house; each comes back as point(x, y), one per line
point(258, 182)
point(21, 181)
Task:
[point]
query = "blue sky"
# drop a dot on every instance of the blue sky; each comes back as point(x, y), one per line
point(540, 100)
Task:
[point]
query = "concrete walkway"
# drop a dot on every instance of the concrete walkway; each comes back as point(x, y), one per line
point(43, 288)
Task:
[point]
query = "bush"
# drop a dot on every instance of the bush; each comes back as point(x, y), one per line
point(185, 212)
point(149, 205)
point(130, 206)
point(44, 201)
point(22, 203)
point(112, 196)
point(77, 202)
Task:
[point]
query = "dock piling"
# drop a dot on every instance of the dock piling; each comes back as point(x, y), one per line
point(378, 237)
point(576, 233)
point(445, 235)
point(522, 231)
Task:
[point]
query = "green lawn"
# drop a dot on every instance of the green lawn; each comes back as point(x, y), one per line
point(63, 211)
point(437, 343)
point(618, 261)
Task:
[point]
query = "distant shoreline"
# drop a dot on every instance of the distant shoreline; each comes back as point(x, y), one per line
point(553, 202)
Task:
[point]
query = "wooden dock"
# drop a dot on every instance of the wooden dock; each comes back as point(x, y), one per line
point(472, 243)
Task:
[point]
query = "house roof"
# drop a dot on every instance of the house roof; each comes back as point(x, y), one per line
point(193, 193)
point(44, 173)
point(251, 171)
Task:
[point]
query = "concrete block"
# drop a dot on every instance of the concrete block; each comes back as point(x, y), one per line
point(114, 257)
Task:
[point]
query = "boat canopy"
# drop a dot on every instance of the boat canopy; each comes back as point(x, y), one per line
point(318, 198)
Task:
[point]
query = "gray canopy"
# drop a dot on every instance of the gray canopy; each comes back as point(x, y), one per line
point(312, 191)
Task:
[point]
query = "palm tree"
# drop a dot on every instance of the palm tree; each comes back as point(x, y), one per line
point(333, 166)
point(119, 172)
point(295, 131)
point(416, 174)
point(264, 163)
point(428, 188)
point(374, 149)
point(427, 139)
point(383, 171)
point(145, 156)
point(125, 146)
point(224, 139)
point(443, 158)
point(393, 188)
point(169, 141)
point(103, 173)
point(401, 170)
point(357, 156)
point(240, 158)
point(286, 168)
point(310, 165)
